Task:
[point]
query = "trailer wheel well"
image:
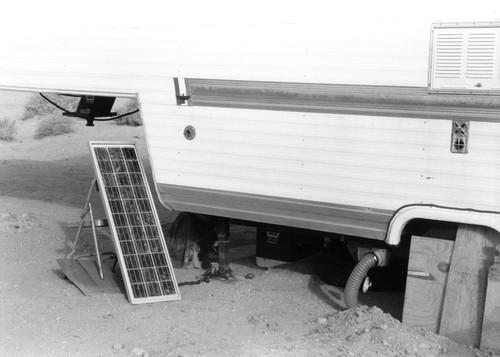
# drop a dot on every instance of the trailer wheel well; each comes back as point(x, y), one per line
point(400, 222)
point(424, 228)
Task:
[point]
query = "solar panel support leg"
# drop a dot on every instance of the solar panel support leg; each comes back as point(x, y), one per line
point(88, 210)
point(82, 219)
point(97, 254)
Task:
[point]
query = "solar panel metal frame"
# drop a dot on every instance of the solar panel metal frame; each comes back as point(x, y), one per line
point(150, 256)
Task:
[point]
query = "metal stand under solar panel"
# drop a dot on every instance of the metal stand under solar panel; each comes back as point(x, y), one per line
point(88, 210)
point(88, 274)
point(134, 224)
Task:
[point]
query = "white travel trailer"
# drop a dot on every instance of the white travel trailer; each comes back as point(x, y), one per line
point(349, 124)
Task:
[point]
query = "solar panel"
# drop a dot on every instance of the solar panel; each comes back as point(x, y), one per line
point(137, 235)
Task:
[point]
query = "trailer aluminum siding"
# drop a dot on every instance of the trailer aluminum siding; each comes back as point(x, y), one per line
point(282, 155)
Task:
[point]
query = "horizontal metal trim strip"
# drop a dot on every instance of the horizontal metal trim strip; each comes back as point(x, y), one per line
point(69, 91)
point(408, 102)
point(317, 216)
point(481, 24)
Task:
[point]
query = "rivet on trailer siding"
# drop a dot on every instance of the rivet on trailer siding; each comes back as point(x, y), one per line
point(189, 132)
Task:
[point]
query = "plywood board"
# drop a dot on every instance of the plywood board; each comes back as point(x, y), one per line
point(136, 231)
point(427, 273)
point(463, 306)
point(490, 334)
point(85, 275)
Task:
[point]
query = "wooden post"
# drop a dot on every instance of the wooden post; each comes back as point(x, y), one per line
point(428, 268)
point(463, 306)
point(490, 334)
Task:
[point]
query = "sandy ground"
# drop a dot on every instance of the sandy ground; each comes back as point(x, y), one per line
point(286, 311)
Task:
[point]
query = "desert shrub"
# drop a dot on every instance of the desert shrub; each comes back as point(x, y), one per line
point(36, 105)
point(132, 119)
point(52, 125)
point(8, 129)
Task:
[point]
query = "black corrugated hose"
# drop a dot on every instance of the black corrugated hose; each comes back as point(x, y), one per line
point(356, 278)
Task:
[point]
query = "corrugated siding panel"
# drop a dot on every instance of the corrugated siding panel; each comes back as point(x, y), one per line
point(336, 53)
point(353, 160)
point(349, 160)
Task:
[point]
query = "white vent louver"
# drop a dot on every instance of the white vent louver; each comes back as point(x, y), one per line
point(481, 55)
point(448, 56)
point(465, 58)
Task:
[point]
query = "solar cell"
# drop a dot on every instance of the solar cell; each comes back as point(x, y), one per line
point(135, 226)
